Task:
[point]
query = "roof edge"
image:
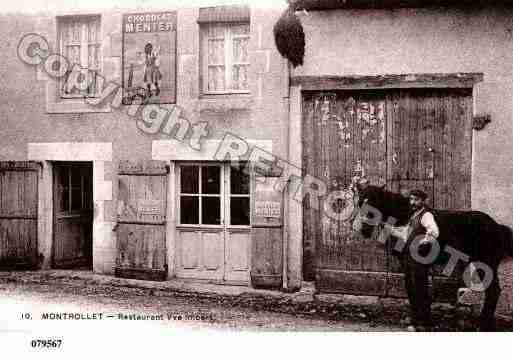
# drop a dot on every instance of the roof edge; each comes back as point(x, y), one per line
point(390, 4)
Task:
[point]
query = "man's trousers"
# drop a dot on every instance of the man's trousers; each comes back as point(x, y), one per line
point(419, 290)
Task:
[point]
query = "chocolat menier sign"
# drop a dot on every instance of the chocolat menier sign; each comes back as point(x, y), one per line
point(149, 57)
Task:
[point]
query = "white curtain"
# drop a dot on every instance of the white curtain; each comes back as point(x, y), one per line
point(81, 44)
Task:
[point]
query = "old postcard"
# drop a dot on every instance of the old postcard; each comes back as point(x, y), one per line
point(174, 171)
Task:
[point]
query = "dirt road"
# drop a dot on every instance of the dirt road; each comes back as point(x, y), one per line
point(124, 306)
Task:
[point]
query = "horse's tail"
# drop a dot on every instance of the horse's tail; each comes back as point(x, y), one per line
point(507, 239)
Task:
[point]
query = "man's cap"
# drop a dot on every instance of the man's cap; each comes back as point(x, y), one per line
point(418, 193)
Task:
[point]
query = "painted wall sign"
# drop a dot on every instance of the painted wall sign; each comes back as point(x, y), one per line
point(149, 58)
point(267, 203)
point(149, 206)
point(270, 209)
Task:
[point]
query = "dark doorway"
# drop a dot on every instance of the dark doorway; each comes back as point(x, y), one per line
point(73, 215)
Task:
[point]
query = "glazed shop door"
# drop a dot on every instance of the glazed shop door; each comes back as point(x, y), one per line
point(213, 224)
point(73, 215)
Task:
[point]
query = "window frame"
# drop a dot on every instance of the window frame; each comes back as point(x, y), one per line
point(84, 44)
point(225, 196)
point(200, 195)
point(67, 188)
point(229, 62)
point(230, 195)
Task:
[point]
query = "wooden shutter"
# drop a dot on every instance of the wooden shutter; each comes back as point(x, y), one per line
point(141, 229)
point(18, 215)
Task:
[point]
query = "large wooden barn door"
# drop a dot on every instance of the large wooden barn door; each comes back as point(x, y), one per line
point(429, 145)
point(18, 215)
point(410, 120)
point(141, 226)
point(452, 148)
point(344, 135)
point(403, 139)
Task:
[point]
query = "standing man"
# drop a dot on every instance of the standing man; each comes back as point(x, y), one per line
point(422, 233)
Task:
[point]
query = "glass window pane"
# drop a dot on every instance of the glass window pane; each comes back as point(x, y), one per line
point(76, 31)
point(240, 77)
point(63, 32)
point(211, 180)
point(88, 187)
point(63, 177)
point(76, 177)
point(93, 77)
point(216, 78)
point(215, 52)
point(88, 199)
point(211, 210)
point(189, 210)
point(77, 56)
point(74, 55)
point(93, 57)
point(93, 29)
point(240, 50)
point(239, 181)
point(189, 179)
point(239, 211)
point(63, 205)
point(76, 199)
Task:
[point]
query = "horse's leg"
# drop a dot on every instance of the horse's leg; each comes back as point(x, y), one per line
point(492, 294)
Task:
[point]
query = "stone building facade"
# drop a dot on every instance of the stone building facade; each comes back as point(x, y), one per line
point(156, 187)
point(103, 168)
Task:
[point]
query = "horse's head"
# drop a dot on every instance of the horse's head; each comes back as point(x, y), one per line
point(377, 206)
point(368, 196)
point(360, 186)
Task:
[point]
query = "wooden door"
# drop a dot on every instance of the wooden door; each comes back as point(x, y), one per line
point(200, 229)
point(141, 225)
point(18, 215)
point(403, 139)
point(411, 149)
point(73, 215)
point(452, 148)
point(430, 148)
point(430, 144)
point(213, 229)
point(411, 142)
point(237, 225)
point(344, 136)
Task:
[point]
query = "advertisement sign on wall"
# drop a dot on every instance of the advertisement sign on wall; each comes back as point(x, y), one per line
point(149, 58)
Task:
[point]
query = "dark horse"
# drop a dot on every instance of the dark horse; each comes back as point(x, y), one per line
point(472, 233)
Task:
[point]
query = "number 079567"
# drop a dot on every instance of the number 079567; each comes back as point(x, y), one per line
point(46, 343)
